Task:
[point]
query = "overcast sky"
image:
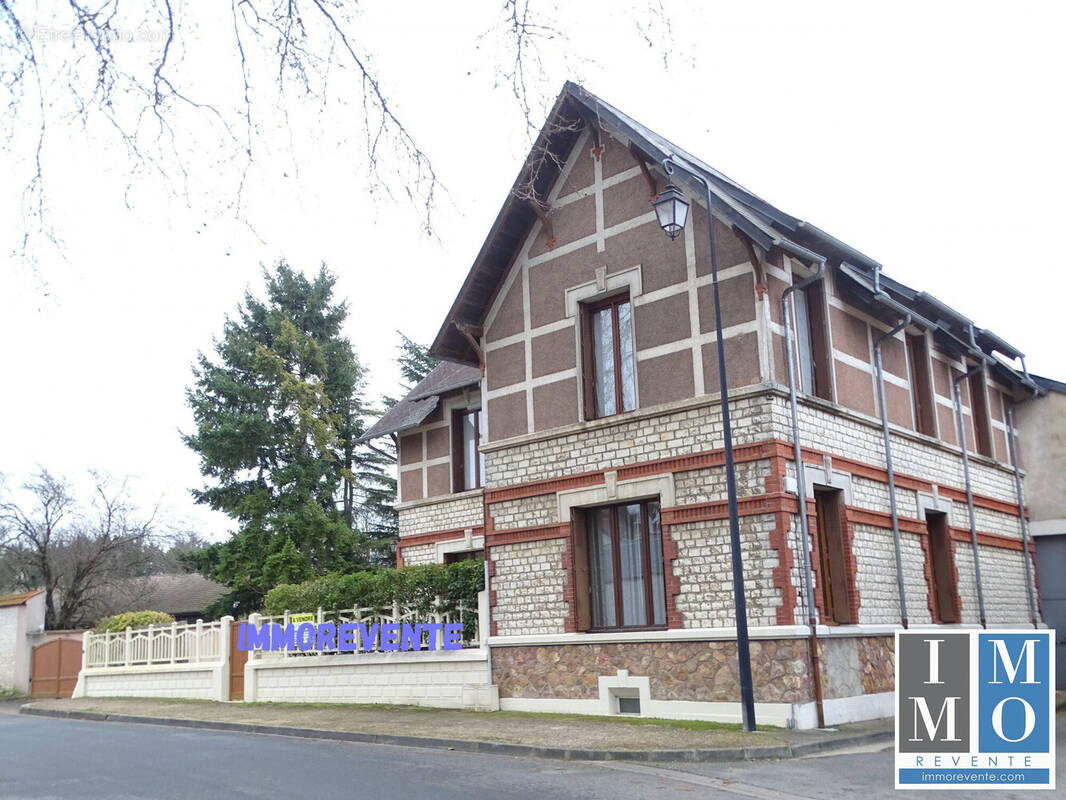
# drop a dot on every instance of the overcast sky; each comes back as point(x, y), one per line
point(927, 135)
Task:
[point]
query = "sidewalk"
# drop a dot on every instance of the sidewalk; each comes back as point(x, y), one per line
point(545, 735)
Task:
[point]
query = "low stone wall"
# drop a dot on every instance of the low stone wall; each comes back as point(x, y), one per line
point(443, 679)
point(698, 679)
point(185, 681)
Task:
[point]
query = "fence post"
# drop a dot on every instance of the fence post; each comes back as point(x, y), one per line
point(196, 642)
point(151, 652)
point(129, 641)
point(483, 618)
point(107, 648)
point(173, 642)
point(80, 689)
point(225, 631)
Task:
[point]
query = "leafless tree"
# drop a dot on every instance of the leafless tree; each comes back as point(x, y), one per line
point(75, 551)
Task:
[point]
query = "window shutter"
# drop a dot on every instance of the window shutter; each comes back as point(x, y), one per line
point(579, 548)
point(588, 369)
point(457, 452)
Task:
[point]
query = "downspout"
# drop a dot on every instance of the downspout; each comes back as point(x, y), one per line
point(969, 486)
point(888, 463)
point(1033, 616)
point(801, 488)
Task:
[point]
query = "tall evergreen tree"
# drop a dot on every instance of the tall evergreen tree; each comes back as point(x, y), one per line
point(278, 408)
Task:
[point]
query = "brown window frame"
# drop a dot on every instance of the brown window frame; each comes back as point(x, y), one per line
point(459, 452)
point(982, 426)
point(833, 567)
point(943, 586)
point(583, 585)
point(588, 357)
point(923, 401)
point(821, 358)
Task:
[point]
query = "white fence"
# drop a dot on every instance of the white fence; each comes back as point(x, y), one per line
point(468, 618)
point(184, 643)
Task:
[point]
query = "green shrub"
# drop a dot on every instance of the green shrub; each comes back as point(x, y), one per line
point(413, 587)
point(132, 619)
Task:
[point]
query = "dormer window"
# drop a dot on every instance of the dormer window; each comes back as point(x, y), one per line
point(609, 365)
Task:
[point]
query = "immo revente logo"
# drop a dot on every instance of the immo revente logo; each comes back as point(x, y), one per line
point(975, 709)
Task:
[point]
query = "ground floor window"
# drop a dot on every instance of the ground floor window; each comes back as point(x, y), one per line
point(464, 555)
point(942, 572)
point(619, 566)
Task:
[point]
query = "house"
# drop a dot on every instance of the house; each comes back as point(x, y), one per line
point(573, 439)
point(185, 597)
point(20, 616)
point(1042, 449)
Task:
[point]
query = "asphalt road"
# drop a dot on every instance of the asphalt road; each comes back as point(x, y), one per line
point(56, 758)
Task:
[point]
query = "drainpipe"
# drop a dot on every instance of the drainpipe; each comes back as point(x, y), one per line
point(1034, 618)
point(888, 463)
point(801, 486)
point(969, 487)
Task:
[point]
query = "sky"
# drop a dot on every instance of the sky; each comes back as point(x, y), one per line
point(929, 136)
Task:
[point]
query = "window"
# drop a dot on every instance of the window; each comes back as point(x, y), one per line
point(812, 346)
point(464, 555)
point(979, 414)
point(922, 403)
point(832, 562)
point(467, 464)
point(618, 567)
point(609, 373)
point(942, 570)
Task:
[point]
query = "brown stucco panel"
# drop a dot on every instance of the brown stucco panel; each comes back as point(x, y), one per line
point(738, 302)
point(855, 388)
point(665, 379)
point(581, 173)
point(625, 200)
point(439, 478)
point(662, 262)
point(893, 356)
point(569, 223)
point(741, 362)
point(410, 448)
point(438, 443)
point(946, 420)
point(663, 321)
point(731, 249)
point(941, 378)
point(549, 281)
point(615, 157)
point(554, 352)
point(411, 485)
point(509, 319)
point(850, 334)
point(555, 404)
point(505, 366)
point(776, 290)
point(507, 416)
point(898, 400)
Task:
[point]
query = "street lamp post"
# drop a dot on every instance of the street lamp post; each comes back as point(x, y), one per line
point(672, 213)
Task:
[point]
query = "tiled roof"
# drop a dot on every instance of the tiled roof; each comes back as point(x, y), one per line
point(18, 599)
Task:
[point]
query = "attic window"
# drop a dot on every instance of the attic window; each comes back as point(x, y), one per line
point(609, 364)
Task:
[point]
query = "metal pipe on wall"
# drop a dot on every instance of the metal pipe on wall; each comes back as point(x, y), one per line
point(969, 487)
point(801, 490)
point(1012, 442)
point(888, 463)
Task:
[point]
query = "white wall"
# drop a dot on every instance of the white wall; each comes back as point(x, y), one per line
point(16, 648)
point(441, 679)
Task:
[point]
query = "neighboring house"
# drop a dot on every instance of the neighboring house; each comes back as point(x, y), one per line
point(185, 596)
point(1042, 439)
point(573, 439)
point(20, 616)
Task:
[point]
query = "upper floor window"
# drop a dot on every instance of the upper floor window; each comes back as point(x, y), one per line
point(608, 358)
point(812, 346)
point(619, 579)
point(467, 463)
point(922, 401)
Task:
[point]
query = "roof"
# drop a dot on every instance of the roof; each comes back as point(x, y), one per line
point(1049, 385)
point(763, 223)
point(18, 599)
point(178, 594)
point(422, 400)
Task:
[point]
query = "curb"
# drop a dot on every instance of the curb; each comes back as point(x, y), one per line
point(496, 748)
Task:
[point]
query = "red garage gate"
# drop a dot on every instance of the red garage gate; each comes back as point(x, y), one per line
point(55, 668)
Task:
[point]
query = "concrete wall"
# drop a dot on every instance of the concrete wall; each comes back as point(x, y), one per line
point(458, 679)
point(16, 648)
point(1042, 441)
point(185, 681)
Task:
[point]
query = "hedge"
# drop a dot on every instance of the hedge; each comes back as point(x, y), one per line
point(414, 587)
point(132, 619)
